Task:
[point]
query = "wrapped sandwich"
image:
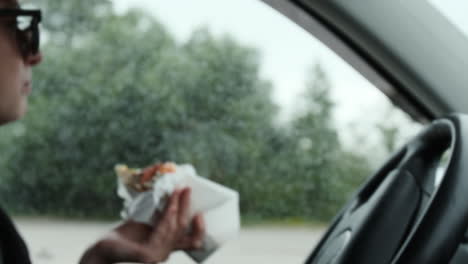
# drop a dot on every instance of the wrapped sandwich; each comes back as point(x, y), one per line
point(146, 190)
point(140, 180)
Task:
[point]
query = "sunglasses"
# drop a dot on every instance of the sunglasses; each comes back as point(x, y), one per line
point(25, 26)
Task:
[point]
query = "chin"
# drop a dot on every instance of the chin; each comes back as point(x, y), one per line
point(6, 118)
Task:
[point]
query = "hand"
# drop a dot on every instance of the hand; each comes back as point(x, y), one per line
point(136, 242)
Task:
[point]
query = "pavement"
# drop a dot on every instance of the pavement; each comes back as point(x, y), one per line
point(61, 242)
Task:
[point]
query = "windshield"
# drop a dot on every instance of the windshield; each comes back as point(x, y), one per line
point(455, 11)
point(234, 88)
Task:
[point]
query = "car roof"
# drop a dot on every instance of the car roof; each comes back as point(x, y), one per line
point(406, 48)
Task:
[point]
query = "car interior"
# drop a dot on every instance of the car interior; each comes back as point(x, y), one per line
point(171, 97)
point(415, 56)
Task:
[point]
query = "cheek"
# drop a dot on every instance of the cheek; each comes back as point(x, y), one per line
point(10, 64)
point(12, 104)
point(11, 72)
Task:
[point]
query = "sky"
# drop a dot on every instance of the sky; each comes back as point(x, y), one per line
point(455, 11)
point(287, 50)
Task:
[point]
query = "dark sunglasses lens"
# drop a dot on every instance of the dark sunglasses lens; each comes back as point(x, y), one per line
point(24, 42)
point(33, 39)
point(28, 39)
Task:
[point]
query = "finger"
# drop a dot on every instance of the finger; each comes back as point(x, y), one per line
point(198, 232)
point(187, 243)
point(184, 209)
point(157, 216)
point(166, 226)
point(195, 239)
point(171, 212)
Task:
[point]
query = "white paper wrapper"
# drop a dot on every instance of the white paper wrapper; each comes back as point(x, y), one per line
point(219, 205)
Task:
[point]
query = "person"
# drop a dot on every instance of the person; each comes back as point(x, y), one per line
point(128, 242)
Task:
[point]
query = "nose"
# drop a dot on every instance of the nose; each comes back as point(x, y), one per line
point(33, 59)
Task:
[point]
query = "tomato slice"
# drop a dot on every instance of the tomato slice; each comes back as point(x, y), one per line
point(149, 172)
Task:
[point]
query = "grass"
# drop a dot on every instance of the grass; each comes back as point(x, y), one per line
point(249, 221)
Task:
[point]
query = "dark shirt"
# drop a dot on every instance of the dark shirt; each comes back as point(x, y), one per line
point(12, 246)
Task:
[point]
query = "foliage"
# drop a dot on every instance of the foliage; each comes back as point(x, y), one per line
point(124, 90)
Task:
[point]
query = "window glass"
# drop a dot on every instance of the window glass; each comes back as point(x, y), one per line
point(454, 11)
point(234, 88)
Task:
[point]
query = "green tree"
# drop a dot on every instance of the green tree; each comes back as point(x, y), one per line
point(129, 93)
point(122, 89)
point(325, 174)
point(68, 21)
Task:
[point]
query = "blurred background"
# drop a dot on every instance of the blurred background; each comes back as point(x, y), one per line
point(250, 99)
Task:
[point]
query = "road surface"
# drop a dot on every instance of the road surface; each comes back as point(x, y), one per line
point(61, 242)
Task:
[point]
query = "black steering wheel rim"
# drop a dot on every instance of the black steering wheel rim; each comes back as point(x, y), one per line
point(406, 218)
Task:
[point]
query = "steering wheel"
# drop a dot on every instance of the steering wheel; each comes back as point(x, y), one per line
point(402, 215)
